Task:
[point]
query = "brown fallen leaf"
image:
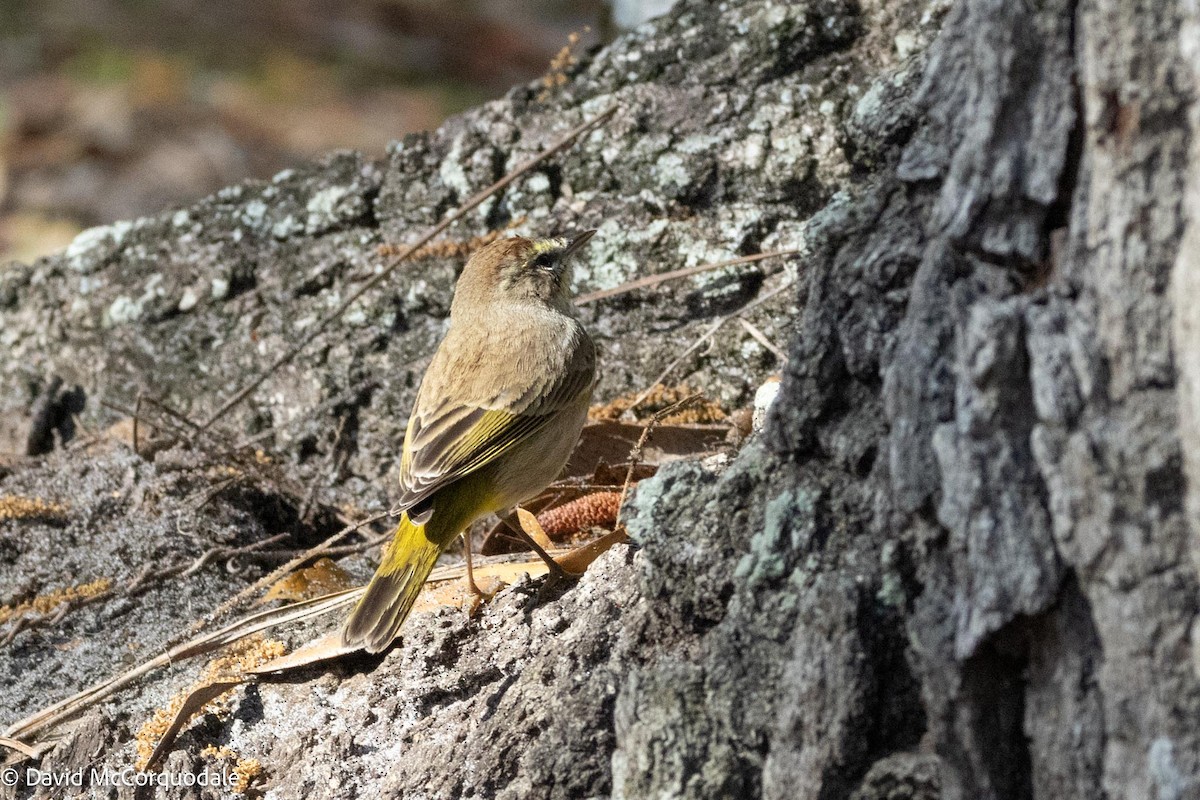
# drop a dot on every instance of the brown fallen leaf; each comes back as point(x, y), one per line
point(456, 594)
point(222, 674)
point(323, 577)
point(191, 705)
point(611, 443)
point(530, 524)
point(578, 560)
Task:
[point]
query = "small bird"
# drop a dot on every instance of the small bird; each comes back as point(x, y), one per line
point(497, 415)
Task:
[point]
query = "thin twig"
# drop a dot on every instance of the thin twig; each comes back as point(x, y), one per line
point(761, 338)
point(222, 552)
point(331, 552)
point(213, 491)
point(129, 412)
point(177, 415)
point(449, 220)
point(64, 709)
point(324, 548)
point(635, 455)
point(687, 272)
point(147, 578)
point(704, 337)
point(137, 413)
point(20, 747)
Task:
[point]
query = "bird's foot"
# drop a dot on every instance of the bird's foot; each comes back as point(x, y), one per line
point(529, 529)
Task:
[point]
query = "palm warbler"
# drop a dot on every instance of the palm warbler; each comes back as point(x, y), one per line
point(496, 417)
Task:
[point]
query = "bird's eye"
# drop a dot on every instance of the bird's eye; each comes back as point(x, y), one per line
point(543, 261)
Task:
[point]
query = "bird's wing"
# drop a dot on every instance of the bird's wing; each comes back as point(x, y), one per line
point(447, 439)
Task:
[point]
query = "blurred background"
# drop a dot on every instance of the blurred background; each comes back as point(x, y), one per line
point(114, 109)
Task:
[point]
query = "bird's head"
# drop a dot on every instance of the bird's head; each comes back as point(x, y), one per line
point(519, 270)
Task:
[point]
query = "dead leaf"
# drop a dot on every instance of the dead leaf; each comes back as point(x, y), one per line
point(578, 560)
point(612, 442)
point(531, 526)
point(19, 746)
point(327, 647)
point(323, 577)
point(192, 705)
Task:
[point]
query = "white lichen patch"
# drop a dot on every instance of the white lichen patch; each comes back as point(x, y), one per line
point(451, 169)
point(907, 43)
point(123, 309)
point(749, 153)
point(327, 207)
point(696, 251)
point(672, 173)
point(286, 227)
point(89, 284)
point(789, 235)
point(356, 315)
point(127, 309)
point(612, 257)
point(790, 146)
point(88, 251)
point(189, 300)
point(697, 143)
point(750, 348)
point(253, 214)
point(414, 298)
point(538, 183)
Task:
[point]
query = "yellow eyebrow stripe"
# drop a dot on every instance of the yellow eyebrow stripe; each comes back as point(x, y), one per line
point(545, 245)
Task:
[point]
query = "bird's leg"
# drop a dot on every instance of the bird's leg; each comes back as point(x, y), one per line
point(471, 584)
point(512, 521)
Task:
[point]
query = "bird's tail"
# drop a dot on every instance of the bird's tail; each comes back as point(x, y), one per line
point(393, 590)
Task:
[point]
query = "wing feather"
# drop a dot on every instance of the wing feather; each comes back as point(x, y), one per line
point(447, 439)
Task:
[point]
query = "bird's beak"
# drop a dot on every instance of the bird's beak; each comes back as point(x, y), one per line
point(575, 242)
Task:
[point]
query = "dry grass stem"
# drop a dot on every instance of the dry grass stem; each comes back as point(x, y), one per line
point(687, 272)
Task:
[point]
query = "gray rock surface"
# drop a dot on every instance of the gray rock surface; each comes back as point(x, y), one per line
point(957, 563)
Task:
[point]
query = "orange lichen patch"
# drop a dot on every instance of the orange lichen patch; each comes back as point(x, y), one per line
point(51, 601)
point(590, 511)
point(698, 412)
point(238, 658)
point(242, 656)
point(246, 770)
point(323, 577)
point(562, 61)
point(449, 248)
point(14, 506)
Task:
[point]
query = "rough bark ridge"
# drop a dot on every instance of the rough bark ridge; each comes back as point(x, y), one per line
point(958, 562)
